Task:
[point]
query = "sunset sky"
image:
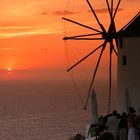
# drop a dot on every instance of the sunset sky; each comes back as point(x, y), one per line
point(31, 33)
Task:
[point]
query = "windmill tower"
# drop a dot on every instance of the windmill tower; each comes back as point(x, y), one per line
point(129, 65)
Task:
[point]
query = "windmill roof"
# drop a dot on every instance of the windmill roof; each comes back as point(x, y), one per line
point(132, 29)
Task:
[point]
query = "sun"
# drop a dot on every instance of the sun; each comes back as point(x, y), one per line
point(9, 69)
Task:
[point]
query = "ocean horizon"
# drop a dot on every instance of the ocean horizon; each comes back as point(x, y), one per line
point(40, 110)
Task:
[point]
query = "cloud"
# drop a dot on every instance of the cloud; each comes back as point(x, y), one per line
point(63, 13)
point(14, 27)
point(6, 49)
point(44, 13)
point(36, 31)
point(104, 10)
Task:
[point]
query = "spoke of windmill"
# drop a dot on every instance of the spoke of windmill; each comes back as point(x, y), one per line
point(116, 9)
point(110, 78)
point(115, 51)
point(94, 74)
point(109, 9)
point(95, 16)
point(77, 38)
point(81, 24)
point(65, 38)
point(130, 21)
point(116, 40)
point(84, 58)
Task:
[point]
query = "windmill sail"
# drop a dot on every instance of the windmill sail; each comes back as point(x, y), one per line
point(109, 37)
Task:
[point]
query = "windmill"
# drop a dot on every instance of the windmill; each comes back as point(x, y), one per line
point(109, 36)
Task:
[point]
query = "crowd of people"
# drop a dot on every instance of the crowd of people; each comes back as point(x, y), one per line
point(115, 126)
point(122, 127)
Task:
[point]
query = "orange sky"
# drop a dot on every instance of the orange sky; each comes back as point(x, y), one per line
point(31, 31)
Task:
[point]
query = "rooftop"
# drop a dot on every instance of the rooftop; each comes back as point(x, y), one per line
point(132, 29)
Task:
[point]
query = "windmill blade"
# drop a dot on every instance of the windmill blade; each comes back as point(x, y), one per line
point(81, 24)
point(95, 16)
point(109, 9)
point(116, 9)
point(84, 58)
point(130, 21)
point(116, 41)
point(77, 38)
point(94, 74)
point(110, 78)
point(84, 35)
point(115, 51)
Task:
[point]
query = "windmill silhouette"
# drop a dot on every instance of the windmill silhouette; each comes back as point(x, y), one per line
point(109, 36)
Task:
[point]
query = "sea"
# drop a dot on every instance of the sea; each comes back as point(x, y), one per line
point(40, 110)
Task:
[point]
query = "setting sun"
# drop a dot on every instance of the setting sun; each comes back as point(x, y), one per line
point(9, 69)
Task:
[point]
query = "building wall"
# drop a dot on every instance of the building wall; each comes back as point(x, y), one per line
point(129, 73)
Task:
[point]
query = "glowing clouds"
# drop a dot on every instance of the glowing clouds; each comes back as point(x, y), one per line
point(24, 18)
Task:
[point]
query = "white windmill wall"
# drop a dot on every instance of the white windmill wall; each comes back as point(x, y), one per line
point(129, 74)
